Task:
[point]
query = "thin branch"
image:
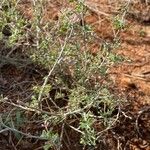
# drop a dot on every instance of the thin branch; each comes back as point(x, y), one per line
point(147, 109)
point(20, 132)
point(92, 8)
point(56, 62)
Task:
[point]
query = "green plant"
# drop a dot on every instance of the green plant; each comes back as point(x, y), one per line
point(142, 33)
point(52, 137)
point(89, 136)
point(12, 24)
point(73, 85)
point(118, 23)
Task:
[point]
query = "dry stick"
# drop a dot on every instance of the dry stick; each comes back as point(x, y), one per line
point(36, 110)
point(95, 10)
point(138, 77)
point(147, 109)
point(12, 143)
point(77, 130)
point(110, 126)
point(67, 140)
point(22, 133)
point(4, 130)
point(56, 62)
point(61, 136)
point(27, 108)
point(38, 21)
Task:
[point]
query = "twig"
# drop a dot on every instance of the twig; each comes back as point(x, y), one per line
point(138, 117)
point(56, 62)
point(136, 76)
point(22, 133)
point(61, 136)
point(4, 130)
point(110, 126)
point(77, 130)
point(27, 108)
point(95, 10)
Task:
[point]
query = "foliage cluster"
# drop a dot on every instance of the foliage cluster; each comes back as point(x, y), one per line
point(74, 73)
